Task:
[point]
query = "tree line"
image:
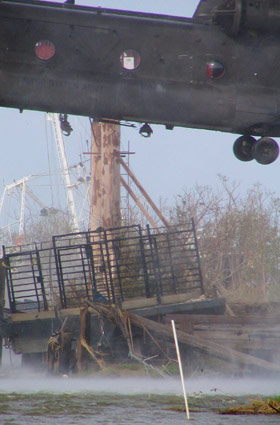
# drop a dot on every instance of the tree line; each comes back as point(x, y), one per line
point(238, 236)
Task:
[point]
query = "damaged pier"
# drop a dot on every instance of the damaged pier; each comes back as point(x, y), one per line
point(151, 272)
point(99, 297)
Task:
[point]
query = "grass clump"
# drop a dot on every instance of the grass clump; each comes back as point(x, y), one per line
point(256, 407)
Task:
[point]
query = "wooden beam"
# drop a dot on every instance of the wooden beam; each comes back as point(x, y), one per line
point(216, 305)
point(216, 350)
point(139, 204)
point(145, 194)
point(225, 320)
point(209, 347)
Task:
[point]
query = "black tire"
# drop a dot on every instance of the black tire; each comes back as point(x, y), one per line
point(266, 151)
point(243, 148)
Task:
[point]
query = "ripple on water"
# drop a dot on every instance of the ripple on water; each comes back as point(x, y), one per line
point(94, 409)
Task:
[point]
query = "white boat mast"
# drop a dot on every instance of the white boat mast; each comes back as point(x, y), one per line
point(65, 170)
point(22, 185)
point(25, 190)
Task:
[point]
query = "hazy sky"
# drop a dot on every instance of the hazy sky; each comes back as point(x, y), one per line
point(164, 164)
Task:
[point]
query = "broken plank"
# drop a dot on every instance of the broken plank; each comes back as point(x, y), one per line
point(223, 319)
point(209, 347)
point(214, 305)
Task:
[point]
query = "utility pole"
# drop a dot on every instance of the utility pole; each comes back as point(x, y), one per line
point(105, 175)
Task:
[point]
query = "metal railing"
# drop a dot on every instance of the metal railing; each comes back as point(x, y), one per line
point(112, 265)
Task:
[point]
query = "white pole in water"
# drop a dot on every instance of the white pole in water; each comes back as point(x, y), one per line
point(180, 368)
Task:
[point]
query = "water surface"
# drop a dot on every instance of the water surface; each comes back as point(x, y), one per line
point(27, 399)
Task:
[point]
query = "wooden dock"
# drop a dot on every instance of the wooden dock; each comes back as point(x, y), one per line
point(31, 330)
point(149, 276)
point(256, 336)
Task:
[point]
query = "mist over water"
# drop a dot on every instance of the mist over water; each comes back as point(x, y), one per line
point(17, 379)
point(39, 399)
point(34, 398)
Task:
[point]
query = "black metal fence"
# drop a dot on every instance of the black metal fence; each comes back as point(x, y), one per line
point(112, 265)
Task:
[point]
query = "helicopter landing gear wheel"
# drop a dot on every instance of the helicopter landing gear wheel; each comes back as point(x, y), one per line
point(243, 148)
point(265, 150)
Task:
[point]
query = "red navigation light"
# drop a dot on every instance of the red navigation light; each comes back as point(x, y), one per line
point(215, 70)
point(45, 50)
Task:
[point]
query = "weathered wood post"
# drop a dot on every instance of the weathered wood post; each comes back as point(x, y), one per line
point(84, 347)
point(105, 199)
point(105, 176)
point(84, 338)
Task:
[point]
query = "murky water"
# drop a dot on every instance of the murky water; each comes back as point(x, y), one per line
point(31, 399)
point(128, 412)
